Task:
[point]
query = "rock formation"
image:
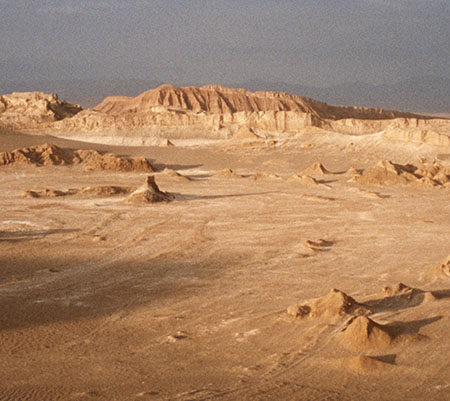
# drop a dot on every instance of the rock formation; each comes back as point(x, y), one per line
point(175, 174)
point(149, 193)
point(363, 333)
point(49, 154)
point(210, 112)
point(227, 173)
point(428, 136)
point(335, 304)
point(25, 110)
point(442, 270)
point(388, 173)
point(304, 179)
point(99, 191)
point(316, 169)
point(216, 99)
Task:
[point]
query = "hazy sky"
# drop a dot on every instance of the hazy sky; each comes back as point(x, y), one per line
point(316, 42)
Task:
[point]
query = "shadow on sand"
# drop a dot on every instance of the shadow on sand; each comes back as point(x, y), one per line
point(411, 327)
point(404, 301)
point(185, 197)
point(20, 236)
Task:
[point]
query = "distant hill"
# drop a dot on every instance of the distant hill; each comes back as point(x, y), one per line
point(427, 94)
point(218, 99)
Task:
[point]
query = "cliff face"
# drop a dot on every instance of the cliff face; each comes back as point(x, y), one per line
point(28, 110)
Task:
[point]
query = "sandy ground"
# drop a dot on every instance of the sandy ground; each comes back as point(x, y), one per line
point(103, 300)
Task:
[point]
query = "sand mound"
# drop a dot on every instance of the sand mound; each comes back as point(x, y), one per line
point(227, 172)
point(442, 270)
point(363, 333)
point(366, 364)
point(400, 296)
point(149, 193)
point(316, 169)
point(435, 172)
point(388, 173)
point(264, 176)
point(40, 155)
point(25, 110)
point(400, 289)
point(93, 160)
point(353, 171)
point(52, 155)
point(384, 173)
point(335, 304)
point(175, 174)
point(304, 179)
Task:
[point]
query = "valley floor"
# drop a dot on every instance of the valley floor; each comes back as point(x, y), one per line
point(186, 300)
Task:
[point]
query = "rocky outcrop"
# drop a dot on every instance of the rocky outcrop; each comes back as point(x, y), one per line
point(52, 155)
point(387, 173)
point(28, 110)
point(149, 192)
point(336, 304)
point(441, 270)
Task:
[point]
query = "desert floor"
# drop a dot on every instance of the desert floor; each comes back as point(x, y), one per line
point(186, 300)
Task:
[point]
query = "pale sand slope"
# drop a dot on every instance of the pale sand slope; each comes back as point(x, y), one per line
point(106, 300)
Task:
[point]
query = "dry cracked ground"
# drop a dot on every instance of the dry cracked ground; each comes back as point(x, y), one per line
point(226, 291)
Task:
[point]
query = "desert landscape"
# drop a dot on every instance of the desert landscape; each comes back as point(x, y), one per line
point(210, 243)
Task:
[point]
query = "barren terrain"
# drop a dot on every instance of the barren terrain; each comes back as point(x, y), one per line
point(264, 275)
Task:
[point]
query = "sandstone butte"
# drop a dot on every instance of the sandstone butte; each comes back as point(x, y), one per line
point(209, 112)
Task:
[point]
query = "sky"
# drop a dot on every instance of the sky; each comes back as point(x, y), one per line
point(317, 43)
